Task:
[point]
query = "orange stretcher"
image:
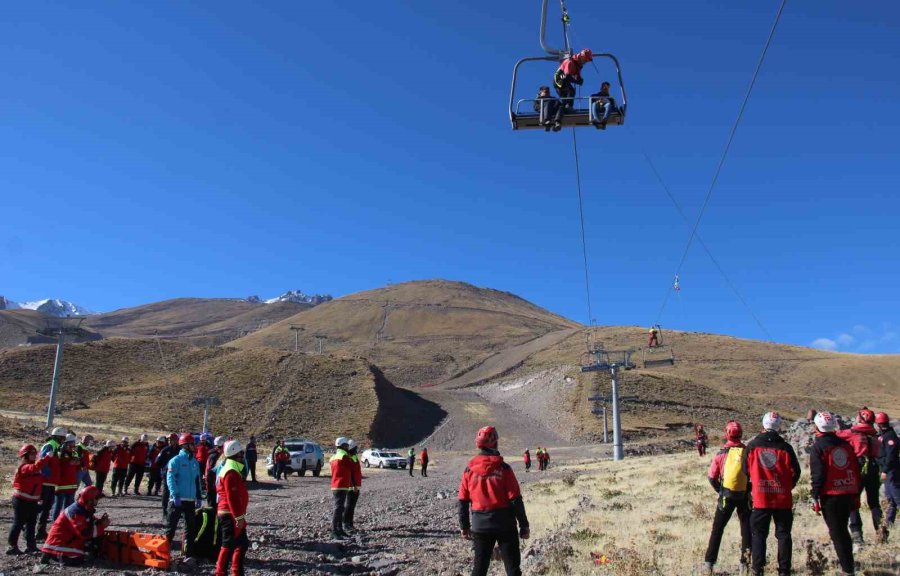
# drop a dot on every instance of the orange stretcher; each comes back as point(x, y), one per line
point(135, 548)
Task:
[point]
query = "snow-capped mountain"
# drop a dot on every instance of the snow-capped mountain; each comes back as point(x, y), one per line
point(49, 306)
point(299, 297)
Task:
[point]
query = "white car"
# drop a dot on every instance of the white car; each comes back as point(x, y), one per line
point(382, 459)
point(306, 455)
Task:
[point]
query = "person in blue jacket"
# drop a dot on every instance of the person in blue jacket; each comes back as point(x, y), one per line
point(183, 482)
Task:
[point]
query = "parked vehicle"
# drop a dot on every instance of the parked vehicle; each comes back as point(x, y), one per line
point(306, 455)
point(382, 459)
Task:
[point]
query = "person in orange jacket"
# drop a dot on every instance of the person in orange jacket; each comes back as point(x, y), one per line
point(231, 510)
point(68, 478)
point(353, 495)
point(101, 462)
point(423, 458)
point(341, 485)
point(28, 483)
point(75, 527)
point(121, 459)
point(137, 463)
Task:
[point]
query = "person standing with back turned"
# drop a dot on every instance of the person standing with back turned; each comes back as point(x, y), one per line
point(729, 481)
point(772, 467)
point(490, 506)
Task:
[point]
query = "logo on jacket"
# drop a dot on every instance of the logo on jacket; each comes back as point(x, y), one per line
point(768, 459)
point(839, 457)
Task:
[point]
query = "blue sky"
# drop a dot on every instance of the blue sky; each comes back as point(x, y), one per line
point(156, 150)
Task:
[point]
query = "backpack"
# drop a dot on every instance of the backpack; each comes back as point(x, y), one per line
point(206, 542)
point(733, 478)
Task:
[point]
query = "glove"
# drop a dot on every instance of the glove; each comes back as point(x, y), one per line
point(579, 81)
point(239, 528)
point(816, 507)
point(524, 533)
point(466, 533)
point(177, 502)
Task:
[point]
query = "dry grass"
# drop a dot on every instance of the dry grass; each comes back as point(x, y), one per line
point(652, 516)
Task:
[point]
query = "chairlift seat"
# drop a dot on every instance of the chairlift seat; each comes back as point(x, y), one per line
point(578, 117)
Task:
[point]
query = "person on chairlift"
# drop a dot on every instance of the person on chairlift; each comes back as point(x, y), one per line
point(601, 106)
point(549, 109)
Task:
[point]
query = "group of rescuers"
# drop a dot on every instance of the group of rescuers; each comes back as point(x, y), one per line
point(566, 77)
point(754, 479)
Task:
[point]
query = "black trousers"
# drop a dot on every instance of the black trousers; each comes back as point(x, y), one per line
point(483, 544)
point(566, 95)
point(135, 472)
point(101, 479)
point(48, 496)
point(551, 110)
point(340, 503)
point(25, 513)
point(154, 481)
point(760, 519)
point(233, 549)
point(251, 465)
point(188, 510)
point(424, 468)
point(836, 510)
point(871, 485)
point(350, 507)
point(165, 500)
point(412, 464)
point(118, 480)
point(724, 510)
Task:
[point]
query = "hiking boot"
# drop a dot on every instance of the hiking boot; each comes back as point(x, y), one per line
point(41, 533)
point(32, 551)
point(744, 570)
point(13, 551)
point(856, 537)
point(557, 126)
point(339, 535)
point(708, 569)
point(349, 528)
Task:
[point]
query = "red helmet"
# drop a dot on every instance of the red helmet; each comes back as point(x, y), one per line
point(173, 436)
point(585, 55)
point(865, 415)
point(89, 494)
point(186, 438)
point(882, 418)
point(26, 449)
point(487, 438)
point(733, 430)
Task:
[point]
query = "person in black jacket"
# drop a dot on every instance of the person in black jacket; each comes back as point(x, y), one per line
point(490, 506)
point(162, 462)
point(602, 104)
point(549, 108)
point(835, 480)
point(250, 456)
point(889, 462)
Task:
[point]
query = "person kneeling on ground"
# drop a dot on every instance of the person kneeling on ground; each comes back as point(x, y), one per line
point(75, 530)
point(835, 479)
point(490, 491)
point(232, 510)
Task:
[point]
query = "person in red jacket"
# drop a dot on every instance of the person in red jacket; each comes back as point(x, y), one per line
point(27, 485)
point(527, 457)
point(772, 467)
point(341, 485)
point(353, 495)
point(730, 483)
point(137, 463)
point(835, 482)
point(75, 527)
point(101, 462)
point(490, 506)
point(569, 73)
point(121, 459)
point(863, 437)
point(203, 448)
point(68, 476)
point(231, 510)
point(701, 438)
point(423, 459)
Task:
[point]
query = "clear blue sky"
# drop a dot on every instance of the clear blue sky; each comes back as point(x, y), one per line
point(162, 149)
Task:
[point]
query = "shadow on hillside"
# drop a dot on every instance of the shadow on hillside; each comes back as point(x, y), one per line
point(403, 417)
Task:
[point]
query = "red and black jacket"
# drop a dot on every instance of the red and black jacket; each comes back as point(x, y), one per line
point(121, 456)
point(833, 468)
point(489, 487)
point(102, 460)
point(773, 470)
point(28, 481)
point(889, 453)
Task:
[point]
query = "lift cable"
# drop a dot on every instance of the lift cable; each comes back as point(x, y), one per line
point(718, 171)
point(587, 281)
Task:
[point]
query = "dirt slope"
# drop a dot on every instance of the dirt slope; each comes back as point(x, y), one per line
point(200, 321)
point(418, 333)
point(266, 392)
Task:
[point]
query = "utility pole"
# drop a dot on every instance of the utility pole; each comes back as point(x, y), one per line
point(67, 326)
point(320, 343)
point(297, 330)
point(618, 451)
point(612, 361)
point(206, 401)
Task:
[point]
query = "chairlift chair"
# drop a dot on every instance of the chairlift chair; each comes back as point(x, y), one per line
point(521, 114)
point(659, 355)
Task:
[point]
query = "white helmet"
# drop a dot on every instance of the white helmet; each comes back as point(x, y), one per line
point(70, 438)
point(341, 440)
point(351, 443)
point(826, 422)
point(160, 438)
point(219, 441)
point(125, 439)
point(772, 421)
point(232, 447)
point(143, 437)
point(110, 443)
point(58, 431)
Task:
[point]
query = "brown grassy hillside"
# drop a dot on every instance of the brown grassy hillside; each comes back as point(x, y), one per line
point(418, 333)
point(263, 391)
point(199, 321)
